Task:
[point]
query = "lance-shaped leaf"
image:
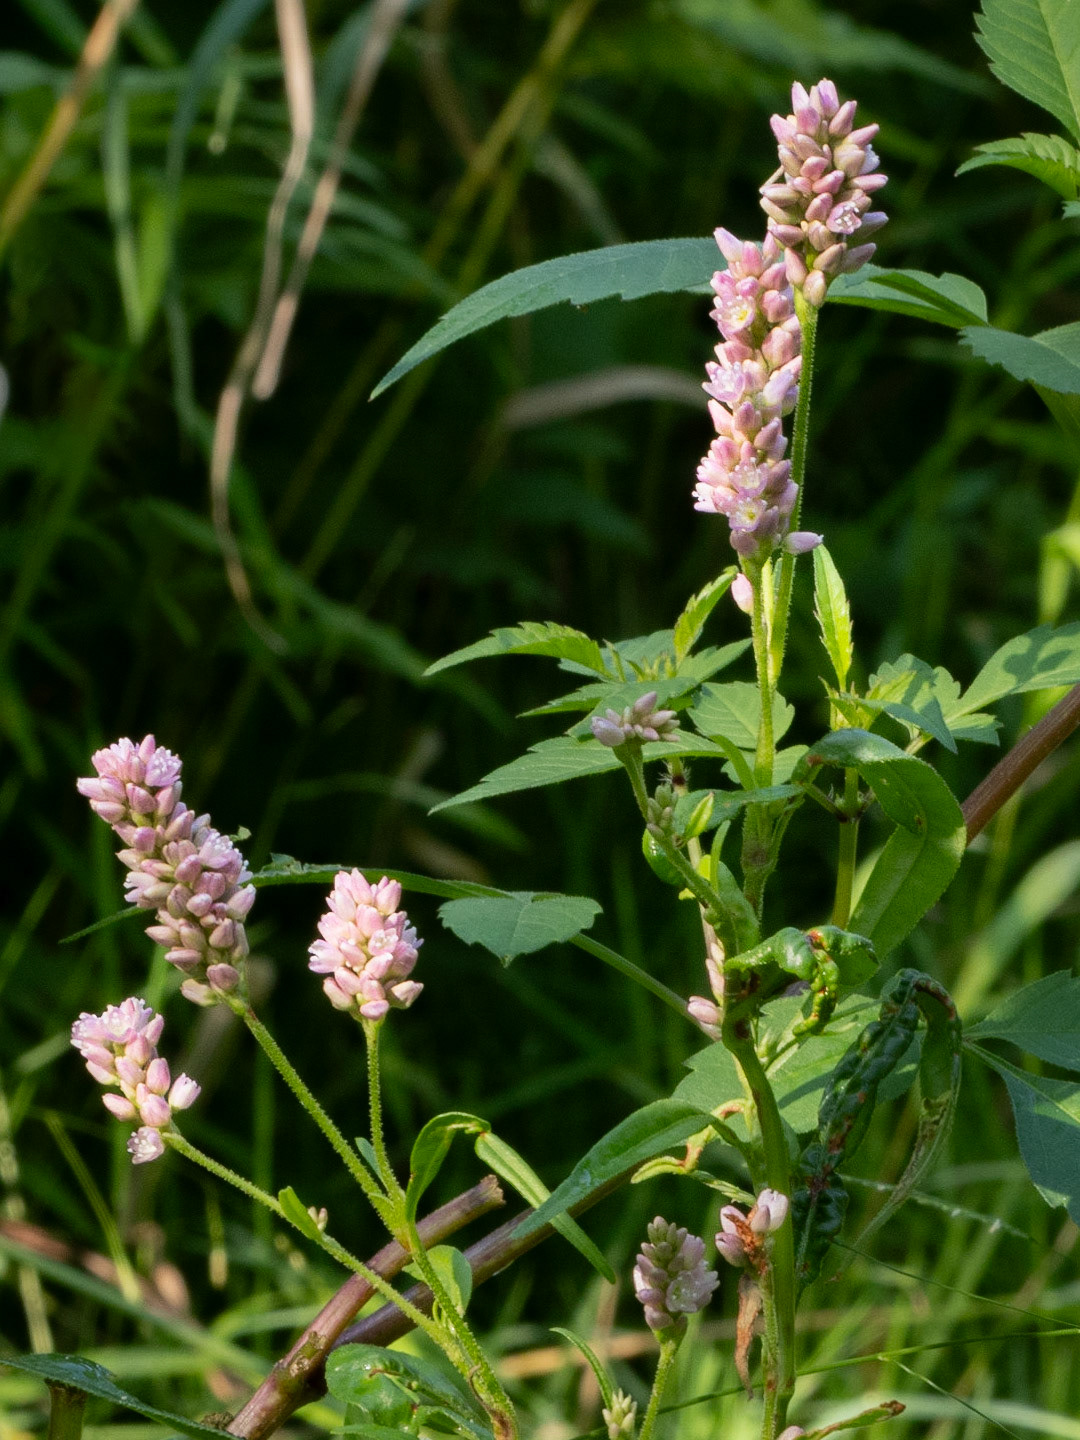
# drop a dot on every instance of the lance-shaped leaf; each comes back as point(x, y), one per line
point(647, 1132)
point(649, 267)
point(297, 1213)
point(1048, 157)
point(563, 758)
point(692, 621)
point(1040, 660)
point(1033, 48)
point(733, 712)
point(924, 851)
point(1047, 1130)
point(531, 637)
point(517, 1172)
point(833, 614)
point(947, 299)
point(93, 1379)
point(519, 923)
point(430, 1149)
point(1043, 1019)
point(1049, 360)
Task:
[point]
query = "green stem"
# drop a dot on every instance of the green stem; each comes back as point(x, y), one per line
point(378, 1142)
point(66, 1407)
point(663, 1371)
point(281, 1063)
point(184, 1147)
point(779, 1293)
point(849, 847)
point(759, 625)
point(696, 883)
point(630, 755)
point(808, 319)
point(464, 1350)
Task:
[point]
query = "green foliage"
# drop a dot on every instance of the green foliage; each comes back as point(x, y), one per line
point(833, 615)
point(950, 300)
point(91, 1378)
point(1049, 360)
point(922, 854)
point(518, 924)
point(1033, 48)
point(390, 1387)
point(647, 1132)
point(1049, 158)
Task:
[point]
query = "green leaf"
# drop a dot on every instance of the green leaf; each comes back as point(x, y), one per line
point(647, 1132)
point(941, 299)
point(691, 622)
point(733, 712)
point(924, 851)
point(922, 698)
point(431, 1147)
point(1040, 660)
point(603, 1379)
point(94, 1379)
point(1048, 157)
point(355, 1375)
point(295, 1211)
point(511, 1167)
point(1042, 1019)
point(562, 758)
point(649, 267)
point(1034, 48)
point(285, 870)
point(833, 614)
point(519, 923)
point(454, 1273)
point(531, 637)
point(728, 803)
point(1049, 360)
point(1047, 1116)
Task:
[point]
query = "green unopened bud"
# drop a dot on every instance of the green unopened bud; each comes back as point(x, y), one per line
point(699, 817)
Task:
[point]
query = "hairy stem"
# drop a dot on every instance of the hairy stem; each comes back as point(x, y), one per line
point(663, 1371)
point(779, 1294)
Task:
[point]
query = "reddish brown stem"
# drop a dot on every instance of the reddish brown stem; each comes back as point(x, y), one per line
point(288, 1384)
point(1014, 768)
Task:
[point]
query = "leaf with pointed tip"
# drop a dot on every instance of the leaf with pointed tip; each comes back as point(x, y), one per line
point(945, 299)
point(1042, 659)
point(690, 623)
point(647, 1132)
point(1047, 1114)
point(1042, 1019)
point(833, 614)
point(1034, 48)
point(531, 637)
point(603, 1379)
point(519, 923)
point(511, 1167)
point(432, 1145)
point(649, 267)
point(550, 762)
point(92, 1379)
point(296, 1212)
point(1049, 360)
point(605, 692)
point(1048, 157)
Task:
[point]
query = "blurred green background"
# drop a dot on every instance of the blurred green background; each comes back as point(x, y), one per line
point(540, 470)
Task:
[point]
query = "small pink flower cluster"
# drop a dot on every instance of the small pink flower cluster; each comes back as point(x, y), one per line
point(739, 1238)
point(120, 1049)
point(704, 1012)
point(368, 948)
point(639, 721)
point(671, 1278)
point(752, 385)
point(819, 199)
point(179, 865)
